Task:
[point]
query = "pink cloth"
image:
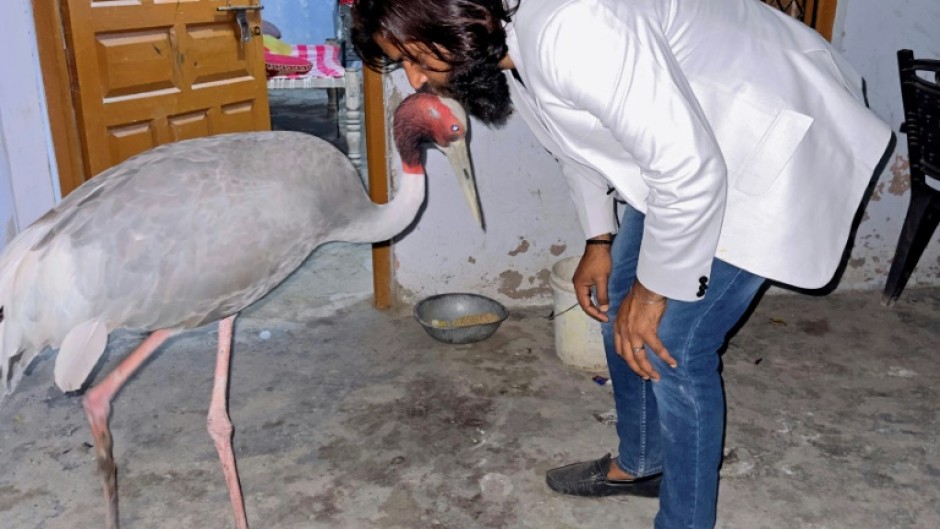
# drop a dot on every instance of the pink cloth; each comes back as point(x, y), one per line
point(323, 57)
point(276, 64)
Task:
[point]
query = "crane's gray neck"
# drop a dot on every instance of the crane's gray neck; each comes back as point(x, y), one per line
point(385, 221)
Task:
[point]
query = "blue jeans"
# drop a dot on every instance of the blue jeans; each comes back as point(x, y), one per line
point(675, 426)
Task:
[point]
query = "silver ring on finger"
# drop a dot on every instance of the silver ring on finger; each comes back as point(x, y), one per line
point(640, 348)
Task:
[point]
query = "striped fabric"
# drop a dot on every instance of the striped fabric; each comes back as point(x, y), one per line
point(323, 57)
point(283, 82)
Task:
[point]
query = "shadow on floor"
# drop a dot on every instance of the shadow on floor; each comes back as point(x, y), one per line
point(306, 111)
point(337, 274)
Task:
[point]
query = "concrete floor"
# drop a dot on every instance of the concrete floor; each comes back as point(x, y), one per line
point(349, 417)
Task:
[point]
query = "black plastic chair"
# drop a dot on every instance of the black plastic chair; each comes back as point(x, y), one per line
point(920, 94)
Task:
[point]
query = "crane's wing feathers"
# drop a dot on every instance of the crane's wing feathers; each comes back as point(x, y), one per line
point(244, 208)
point(80, 351)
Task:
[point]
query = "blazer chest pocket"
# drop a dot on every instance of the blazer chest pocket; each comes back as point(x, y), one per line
point(757, 139)
point(772, 152)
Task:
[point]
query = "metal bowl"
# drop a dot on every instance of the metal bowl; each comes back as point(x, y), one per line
point(447, 317)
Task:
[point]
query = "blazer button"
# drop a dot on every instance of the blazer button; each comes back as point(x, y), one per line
point(702, 287)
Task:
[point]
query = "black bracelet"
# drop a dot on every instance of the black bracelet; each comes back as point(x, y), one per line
point(598, 241)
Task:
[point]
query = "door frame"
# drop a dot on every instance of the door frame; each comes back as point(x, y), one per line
point(821, 15)
point(57, 78)
point(373, 97)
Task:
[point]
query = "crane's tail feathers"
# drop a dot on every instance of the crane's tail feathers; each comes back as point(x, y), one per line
point(81, 349)
point(16, 352)
point(11, 372)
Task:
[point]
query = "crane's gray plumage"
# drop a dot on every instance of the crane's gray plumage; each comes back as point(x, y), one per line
point(139, 235)
point(192, 231)
point(189, 233)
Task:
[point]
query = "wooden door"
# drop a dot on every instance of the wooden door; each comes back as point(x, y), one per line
point(818, 14)
point(148, 72)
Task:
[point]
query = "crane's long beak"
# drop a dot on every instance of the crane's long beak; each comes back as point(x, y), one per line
point(459, 157)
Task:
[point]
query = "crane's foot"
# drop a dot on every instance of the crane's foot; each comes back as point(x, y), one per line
point(97, 411)
point(97, 404)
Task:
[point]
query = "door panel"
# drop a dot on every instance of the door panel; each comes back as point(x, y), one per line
point(148, 72)
point(817, 14)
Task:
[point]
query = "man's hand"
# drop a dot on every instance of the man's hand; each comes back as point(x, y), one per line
point(635, 330)
point(592, 272)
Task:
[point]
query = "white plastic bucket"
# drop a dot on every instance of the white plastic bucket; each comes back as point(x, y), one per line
point(578, 340)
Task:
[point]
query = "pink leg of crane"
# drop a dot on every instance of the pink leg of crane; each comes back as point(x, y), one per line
point(220, 427)
point(97, 404)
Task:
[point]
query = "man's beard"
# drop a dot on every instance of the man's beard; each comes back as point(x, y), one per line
point(482, 90)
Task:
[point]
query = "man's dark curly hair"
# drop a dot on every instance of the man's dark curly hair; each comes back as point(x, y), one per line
point(469, 30)
point(468, 35)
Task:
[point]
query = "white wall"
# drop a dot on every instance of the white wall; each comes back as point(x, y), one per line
point(302, 21)
point(531, 220)
point(869, 34)
point(28, 178)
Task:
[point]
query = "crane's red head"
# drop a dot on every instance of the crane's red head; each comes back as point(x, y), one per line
point(427, 118)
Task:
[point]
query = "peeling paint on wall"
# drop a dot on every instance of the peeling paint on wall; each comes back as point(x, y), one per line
point(901, 176)
point(543, 277)
point(522, 248)
point(407, 293)
point(511, 281)
point(558, 249)
point(876, 193)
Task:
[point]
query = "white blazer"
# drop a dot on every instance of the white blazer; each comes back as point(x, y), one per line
point(738, 131)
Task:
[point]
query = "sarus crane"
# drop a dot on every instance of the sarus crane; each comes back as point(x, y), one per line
point(191, 233)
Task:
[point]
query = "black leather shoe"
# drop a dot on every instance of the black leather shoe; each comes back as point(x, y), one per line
point(589, 478)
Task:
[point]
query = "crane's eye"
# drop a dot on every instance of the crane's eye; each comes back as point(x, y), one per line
point(455, 127)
